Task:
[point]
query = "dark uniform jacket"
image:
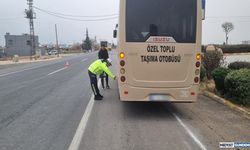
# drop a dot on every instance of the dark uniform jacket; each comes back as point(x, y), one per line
point(103, 54)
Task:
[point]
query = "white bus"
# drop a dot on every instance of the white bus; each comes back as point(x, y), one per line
point(159, 45)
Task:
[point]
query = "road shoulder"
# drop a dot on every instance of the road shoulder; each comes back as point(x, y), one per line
point(244, 111)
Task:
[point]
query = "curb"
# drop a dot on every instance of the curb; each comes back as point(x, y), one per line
point(225, 102)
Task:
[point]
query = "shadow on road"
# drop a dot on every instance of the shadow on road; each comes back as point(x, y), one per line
point(150, 110)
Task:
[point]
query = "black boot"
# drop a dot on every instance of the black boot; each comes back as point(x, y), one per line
point(98, 98)
point(99, 95)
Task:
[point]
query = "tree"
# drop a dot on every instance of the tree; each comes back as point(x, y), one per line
point(87, 44)
point(212, 60)
point(227, 27)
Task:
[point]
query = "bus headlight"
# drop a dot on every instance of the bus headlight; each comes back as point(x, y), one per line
point(122, 55)
point(198, 64)
point(198, 56)
point(197, 72)
point(122, 63)
point(196, 80)
point(123, 79)
point(122, 71)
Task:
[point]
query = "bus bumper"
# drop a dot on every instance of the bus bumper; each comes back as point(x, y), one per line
point(181, 95)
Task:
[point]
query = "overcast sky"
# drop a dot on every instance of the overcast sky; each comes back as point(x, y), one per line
point(12, 20)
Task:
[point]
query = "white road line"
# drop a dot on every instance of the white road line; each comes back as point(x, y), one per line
point(75, 143)
point(10, 73)
point(82, 126)
point(84, 59)
point(57, 71)
point(197, 141)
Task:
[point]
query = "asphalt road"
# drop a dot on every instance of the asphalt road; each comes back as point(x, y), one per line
point(117, 125)
point(42, 104)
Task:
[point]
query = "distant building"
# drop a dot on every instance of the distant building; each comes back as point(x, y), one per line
point(41, 51)
point(19, 44)
point(246, 42)
point(2, 54)
point(1, 49)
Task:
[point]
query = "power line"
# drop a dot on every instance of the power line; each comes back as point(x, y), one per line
point(70, 15)
point(75, 19)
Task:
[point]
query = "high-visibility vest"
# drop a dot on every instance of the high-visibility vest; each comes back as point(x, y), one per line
point(98, 67)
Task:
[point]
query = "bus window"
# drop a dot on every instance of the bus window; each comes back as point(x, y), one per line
point(145, 18)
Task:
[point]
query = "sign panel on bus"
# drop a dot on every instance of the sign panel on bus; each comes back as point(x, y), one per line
point(161, 39)
point(160, 54)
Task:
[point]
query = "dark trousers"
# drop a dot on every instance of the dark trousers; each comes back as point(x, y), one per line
point(102, 76)
point(93, 83)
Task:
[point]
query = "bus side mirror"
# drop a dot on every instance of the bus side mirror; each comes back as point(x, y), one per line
point(114, 33)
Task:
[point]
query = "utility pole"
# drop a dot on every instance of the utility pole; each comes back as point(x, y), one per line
point(31, 16)
point(57, 47)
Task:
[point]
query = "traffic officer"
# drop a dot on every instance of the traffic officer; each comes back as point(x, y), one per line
point(96, 68)
point(103, 54)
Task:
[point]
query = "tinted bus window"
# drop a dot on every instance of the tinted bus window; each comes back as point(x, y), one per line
point(174, 18)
